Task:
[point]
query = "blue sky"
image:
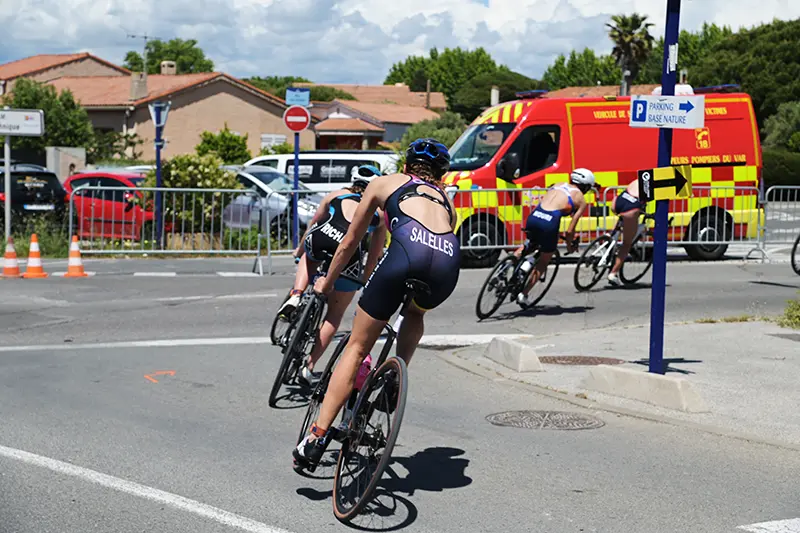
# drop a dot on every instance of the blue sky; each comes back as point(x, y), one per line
point(347, 41)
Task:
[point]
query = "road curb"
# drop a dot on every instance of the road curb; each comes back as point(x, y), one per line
point(492, 375)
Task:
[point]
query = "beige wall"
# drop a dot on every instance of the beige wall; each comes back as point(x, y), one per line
point(107, 119)
point(84, 67)
point(209, 108)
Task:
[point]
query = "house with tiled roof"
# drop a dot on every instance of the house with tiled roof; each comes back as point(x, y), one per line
point(399, 94)
point(117, 100)
point(357, 125)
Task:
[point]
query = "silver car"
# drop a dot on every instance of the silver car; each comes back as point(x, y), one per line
point(271, 195)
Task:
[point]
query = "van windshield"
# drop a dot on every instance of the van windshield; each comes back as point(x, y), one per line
point(478, 144)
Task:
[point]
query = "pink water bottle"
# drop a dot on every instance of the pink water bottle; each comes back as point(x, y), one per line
point(366, 366)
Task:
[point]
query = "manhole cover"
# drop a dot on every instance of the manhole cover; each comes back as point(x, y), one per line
point(578, 360)
point(545, 420)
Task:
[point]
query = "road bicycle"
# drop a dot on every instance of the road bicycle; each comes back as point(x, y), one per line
point(510, 276)
point(796, 256)
point(366, 448)
point(598, 258)
point(280, 325)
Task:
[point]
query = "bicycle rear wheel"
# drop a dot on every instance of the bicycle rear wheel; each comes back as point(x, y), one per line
point(638, 262)
point(280, 327)
point(367, 450)
point(498, 283)
point(293, 351)
point(550, 276)
point(589, 263)
point(796, 256)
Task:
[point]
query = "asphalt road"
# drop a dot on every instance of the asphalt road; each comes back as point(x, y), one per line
point(199, 451)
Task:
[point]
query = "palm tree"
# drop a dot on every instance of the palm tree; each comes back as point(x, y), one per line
point(632, 45)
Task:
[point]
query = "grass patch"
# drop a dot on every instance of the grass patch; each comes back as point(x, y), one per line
point(706, 321)
point(791, 316)
point(53, 238)
point(727, 319)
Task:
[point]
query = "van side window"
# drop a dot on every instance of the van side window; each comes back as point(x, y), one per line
point(311, 170)
point(537, 147)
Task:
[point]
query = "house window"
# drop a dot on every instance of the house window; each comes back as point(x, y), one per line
point(268, 140)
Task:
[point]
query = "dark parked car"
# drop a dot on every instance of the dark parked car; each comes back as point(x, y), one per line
point(33, 191)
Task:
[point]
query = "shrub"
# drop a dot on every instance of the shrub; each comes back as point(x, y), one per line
point(194, 171)
point(229, 146)
point(283, 148)
point(791, 316)
point(781, 168)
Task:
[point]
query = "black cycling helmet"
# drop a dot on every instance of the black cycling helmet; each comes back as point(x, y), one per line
point(432, 152)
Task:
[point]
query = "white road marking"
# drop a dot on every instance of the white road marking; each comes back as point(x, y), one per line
point(140, 344)
point(62, 274)
point(238, 274)
point(246, 296)
point(776, 526)
point(426, 341)
point(156, 274)
point(142, 491)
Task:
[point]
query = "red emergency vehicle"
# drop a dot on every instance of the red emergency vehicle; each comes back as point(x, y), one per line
point(535, 142)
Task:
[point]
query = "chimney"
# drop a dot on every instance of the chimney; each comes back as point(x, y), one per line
point(168, 68)
point(495, 96)
point(428, 95)
point(138, 85)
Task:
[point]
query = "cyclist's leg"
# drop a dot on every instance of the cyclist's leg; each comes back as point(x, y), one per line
point(337, 305)
point(630, 223)
point(305, 272)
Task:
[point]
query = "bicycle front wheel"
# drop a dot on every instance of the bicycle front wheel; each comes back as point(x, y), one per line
point(638, 262)
point(796, 256)
point(592, 265)
point(279, 327)
point(541, 287)
point(495, 288)
point(367, 450)
point(293, 352)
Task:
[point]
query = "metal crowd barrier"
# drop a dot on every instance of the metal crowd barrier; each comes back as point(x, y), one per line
point(782, 214)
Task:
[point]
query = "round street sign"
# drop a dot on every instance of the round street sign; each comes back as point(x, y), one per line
point(297, 118)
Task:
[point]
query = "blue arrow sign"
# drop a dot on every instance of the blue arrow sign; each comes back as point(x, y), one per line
point(687, 106)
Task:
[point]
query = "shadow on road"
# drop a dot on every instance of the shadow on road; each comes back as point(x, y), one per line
point(667, 369)
point(295, 397)
point(776, 284)
point(539, 310)
point(432, 470)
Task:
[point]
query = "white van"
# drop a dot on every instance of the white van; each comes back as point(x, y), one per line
point(328, 170)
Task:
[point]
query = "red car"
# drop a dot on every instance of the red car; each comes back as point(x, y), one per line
point(110, 214)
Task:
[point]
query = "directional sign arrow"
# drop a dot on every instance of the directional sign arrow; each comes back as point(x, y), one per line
point(679, 182)
point(686, 106)
point(159, 373)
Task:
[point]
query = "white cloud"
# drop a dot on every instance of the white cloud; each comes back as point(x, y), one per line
point(348, 40)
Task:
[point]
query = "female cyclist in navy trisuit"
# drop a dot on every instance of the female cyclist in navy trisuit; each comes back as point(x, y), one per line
point(421, 219)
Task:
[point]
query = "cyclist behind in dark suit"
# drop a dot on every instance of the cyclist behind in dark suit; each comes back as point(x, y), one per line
point(327, 229)
point(628, 206)
point(421, 219)
point(544, 222)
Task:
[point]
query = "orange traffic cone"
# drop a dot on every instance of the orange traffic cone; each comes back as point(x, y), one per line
point(75, 264)
point(10, 265)
point(34, 268)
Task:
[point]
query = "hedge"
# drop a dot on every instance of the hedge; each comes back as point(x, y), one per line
point(780, 168)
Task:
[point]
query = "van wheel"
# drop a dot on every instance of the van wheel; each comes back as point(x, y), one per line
point(708, 227)
point(480, 233)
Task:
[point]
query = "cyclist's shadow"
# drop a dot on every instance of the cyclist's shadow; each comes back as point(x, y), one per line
point(432, 470)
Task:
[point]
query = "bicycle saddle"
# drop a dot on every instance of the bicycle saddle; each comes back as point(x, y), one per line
point(419, 287)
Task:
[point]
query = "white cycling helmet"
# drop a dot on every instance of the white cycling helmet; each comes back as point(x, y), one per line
point(363, 174)
point(582, 176)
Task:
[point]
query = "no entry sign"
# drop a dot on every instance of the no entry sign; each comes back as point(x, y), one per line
point(297, 118)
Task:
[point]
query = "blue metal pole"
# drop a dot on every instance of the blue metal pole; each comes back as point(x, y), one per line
point(658, 300)
point(158, 171)
point(296, 223)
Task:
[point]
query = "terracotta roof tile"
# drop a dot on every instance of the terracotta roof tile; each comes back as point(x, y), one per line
point(399, 114)
point(346, 124)
point(385, 94)
point(597, 91)
point(29, 65)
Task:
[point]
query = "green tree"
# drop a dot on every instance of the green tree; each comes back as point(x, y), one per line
point(632, 43)
point(226, 145)
point(282, 148)
point(475, 96)
point(581, 70)
point(65, 121)
point(763, 60)
point(188, 57)
point(448, 71)
point(781, 128)
point(277, 85)
point(112, 145)
point(692, 48)
point(445, 129)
